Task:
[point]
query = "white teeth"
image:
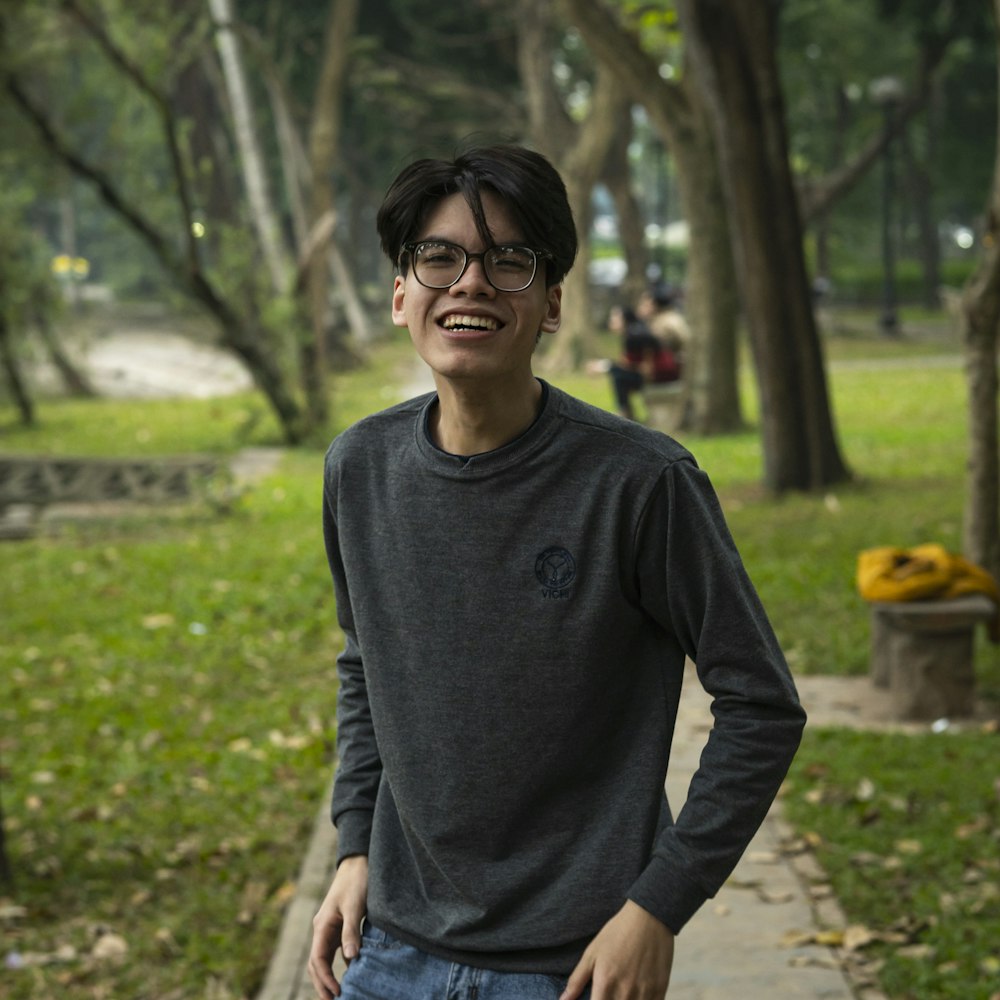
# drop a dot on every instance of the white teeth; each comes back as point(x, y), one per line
point(478, 322)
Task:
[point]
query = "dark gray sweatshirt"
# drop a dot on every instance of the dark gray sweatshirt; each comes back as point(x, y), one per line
point(516, 627)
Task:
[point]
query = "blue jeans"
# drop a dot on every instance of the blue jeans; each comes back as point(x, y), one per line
point(387, 969)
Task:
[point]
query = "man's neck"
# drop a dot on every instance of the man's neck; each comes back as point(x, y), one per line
point(471, 420)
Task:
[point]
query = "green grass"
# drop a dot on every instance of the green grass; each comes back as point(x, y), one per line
point(167, 693)
point(167, 732)
point(167, 701)
point(907, 826)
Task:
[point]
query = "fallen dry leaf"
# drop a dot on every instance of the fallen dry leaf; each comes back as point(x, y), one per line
point(109, 947)
point(990, 965)
point(851, 939)
point(967, 830)
point(857, 936)
point(866, 859)
point(833, 939)
point(27, 959)
point(166, 940)
point(285, 893)
point(251, 902)
point(918, 951)
point(773, 897)
point(865, 790)
point(813, 962)
point(156, 621)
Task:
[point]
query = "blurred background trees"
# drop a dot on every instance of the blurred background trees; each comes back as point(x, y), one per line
point(232, 154)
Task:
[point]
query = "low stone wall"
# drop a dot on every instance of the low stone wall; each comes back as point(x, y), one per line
point(29, 484)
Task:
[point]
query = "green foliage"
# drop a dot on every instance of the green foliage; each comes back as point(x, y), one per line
point(831, 53)
point(25, 280)
point(906, 826)
point(860, 283)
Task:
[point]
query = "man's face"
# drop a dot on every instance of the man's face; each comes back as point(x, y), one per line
point(471, 330)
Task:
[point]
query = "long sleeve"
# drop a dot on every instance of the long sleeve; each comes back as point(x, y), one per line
point(359, 767)
point(692, 581)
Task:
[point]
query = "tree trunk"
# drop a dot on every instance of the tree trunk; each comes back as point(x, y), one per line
point(617, 175)
point(12, 369)
point(262, 214)
point(733, 53)
point(581, 168)
point(712, 298)
point(712, 303)
point(324, 143)
point(250, 343)
point(578, 151)
point(981, 532)
point(921, 188)
point(981, 315)
point(74, 380)
point(6, 874)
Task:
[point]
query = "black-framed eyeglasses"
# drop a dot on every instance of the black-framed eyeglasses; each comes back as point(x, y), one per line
point(508, 267)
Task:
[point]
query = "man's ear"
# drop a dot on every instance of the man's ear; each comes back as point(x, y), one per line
point(553, 311)
point(398, 301)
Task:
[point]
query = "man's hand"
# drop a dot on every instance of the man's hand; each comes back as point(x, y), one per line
point(630, 959)
point(337, 925)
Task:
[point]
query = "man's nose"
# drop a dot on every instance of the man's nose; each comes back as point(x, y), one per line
point(473, 280)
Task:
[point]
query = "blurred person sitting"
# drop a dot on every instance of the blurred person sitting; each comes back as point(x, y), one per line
point(659, 308)
point(644, 359)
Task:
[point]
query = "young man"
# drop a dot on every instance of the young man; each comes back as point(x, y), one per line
point(519, 578)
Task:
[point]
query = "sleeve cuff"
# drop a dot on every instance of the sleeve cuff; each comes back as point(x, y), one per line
point(354, 833)
point(667, 895)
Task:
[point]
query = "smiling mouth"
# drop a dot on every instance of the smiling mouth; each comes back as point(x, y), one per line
point(458, 321)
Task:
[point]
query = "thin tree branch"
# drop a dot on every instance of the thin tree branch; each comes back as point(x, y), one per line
point(62, 150)
point(134, 73)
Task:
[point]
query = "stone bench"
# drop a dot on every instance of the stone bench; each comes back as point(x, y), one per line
point(29, 484)
point(922, 652)
point(665, 404)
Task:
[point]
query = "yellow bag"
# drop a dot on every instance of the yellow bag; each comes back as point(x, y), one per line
point(925, 572)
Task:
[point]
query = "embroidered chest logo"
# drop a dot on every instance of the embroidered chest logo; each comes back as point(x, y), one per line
point(556, 570)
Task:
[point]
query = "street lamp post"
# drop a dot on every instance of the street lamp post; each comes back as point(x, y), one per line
point(887, 92)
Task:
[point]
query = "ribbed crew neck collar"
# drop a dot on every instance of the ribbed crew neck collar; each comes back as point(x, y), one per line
point(488, 461)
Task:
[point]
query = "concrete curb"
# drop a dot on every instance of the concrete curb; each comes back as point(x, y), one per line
point(287, 978)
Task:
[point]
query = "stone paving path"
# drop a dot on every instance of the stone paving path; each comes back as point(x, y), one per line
point(154, 364)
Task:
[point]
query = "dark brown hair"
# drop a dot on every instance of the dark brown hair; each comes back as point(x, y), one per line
point(527, 183)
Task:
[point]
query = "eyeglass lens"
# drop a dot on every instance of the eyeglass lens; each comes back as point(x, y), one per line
point(440, 265)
